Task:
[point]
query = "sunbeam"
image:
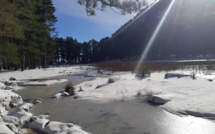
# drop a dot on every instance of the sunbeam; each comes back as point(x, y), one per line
point(153, 37)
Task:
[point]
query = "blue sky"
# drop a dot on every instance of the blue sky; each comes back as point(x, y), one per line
point(73, 21)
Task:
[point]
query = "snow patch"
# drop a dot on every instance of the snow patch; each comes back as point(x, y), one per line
point(58, 95)
point(184, 95)
point(2, 85)
point(53, 127)
point(126, 85)
point(36, 101)
point(21, 113)
point(63, 128)
point(11, 119)
point(38, 124)
point(44, 73)
point(5, 130)
point(43, 83)
point(8, 100)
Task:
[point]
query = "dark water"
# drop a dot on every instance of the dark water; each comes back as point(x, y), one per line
point(130, 117)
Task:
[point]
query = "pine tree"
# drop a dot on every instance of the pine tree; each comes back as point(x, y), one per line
point(10, 31)
point(26, 32)
point(125, 6)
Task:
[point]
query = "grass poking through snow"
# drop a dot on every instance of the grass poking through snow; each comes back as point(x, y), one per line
point(69, 88)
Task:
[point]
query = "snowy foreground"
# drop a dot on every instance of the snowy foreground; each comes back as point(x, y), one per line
point(178, 93)
point(175, 92)
point(14, 112)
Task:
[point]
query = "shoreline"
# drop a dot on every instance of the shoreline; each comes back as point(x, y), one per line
point(125, 89)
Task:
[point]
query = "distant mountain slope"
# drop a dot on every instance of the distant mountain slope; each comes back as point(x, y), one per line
point(188, 31)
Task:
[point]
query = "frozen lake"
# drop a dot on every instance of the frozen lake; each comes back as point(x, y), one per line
point(117, 117)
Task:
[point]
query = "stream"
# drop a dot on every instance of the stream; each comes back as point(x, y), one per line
point(116, 117)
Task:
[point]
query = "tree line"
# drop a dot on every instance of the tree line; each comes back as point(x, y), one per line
point(26, 33)
point(28, 37)
point(70, 51)
point(187, 35)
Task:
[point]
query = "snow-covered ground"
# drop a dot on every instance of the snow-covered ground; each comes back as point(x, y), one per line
point(42, 83)
point(179, 94)
point(182, 94)
point(42, 73)
point(29, 77)
point(14, 113)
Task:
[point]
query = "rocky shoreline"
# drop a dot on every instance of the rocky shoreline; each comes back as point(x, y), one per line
point(14, 115)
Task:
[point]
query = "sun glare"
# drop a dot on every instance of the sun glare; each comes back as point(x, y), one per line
point(153, 37)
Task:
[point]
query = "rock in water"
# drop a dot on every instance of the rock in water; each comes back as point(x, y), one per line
point(58, 95)
point(39, 100)
point(65, 94)
point(156, 100)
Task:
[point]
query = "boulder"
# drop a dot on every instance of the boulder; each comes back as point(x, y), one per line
point(58, 95)
point(43, 116)
point(9, 99)
point(156, 100)
point(170, 75)
point(21, 113)
point(38, 123)
point(13, 128)
point(2, 85)
point(36, 101)
point(54, 127)
point(12, 79)
point(65, 94)
point(11, 119)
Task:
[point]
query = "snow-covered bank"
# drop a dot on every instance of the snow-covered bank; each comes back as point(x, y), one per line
point(176, 93)
point(15, 80)
point(53, 127)
point(183, 94)
point(42, 83)
point(14, 113)
point(42, 73)
point(8, 100)
point(125, 86)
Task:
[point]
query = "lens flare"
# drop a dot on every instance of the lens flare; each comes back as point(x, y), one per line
point(153, 37)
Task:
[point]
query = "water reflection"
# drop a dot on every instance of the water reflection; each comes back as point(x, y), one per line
point(130, 117)
point(186, 125)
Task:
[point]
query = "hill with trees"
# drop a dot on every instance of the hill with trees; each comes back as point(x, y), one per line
point(27, 35)
point(186, 33)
